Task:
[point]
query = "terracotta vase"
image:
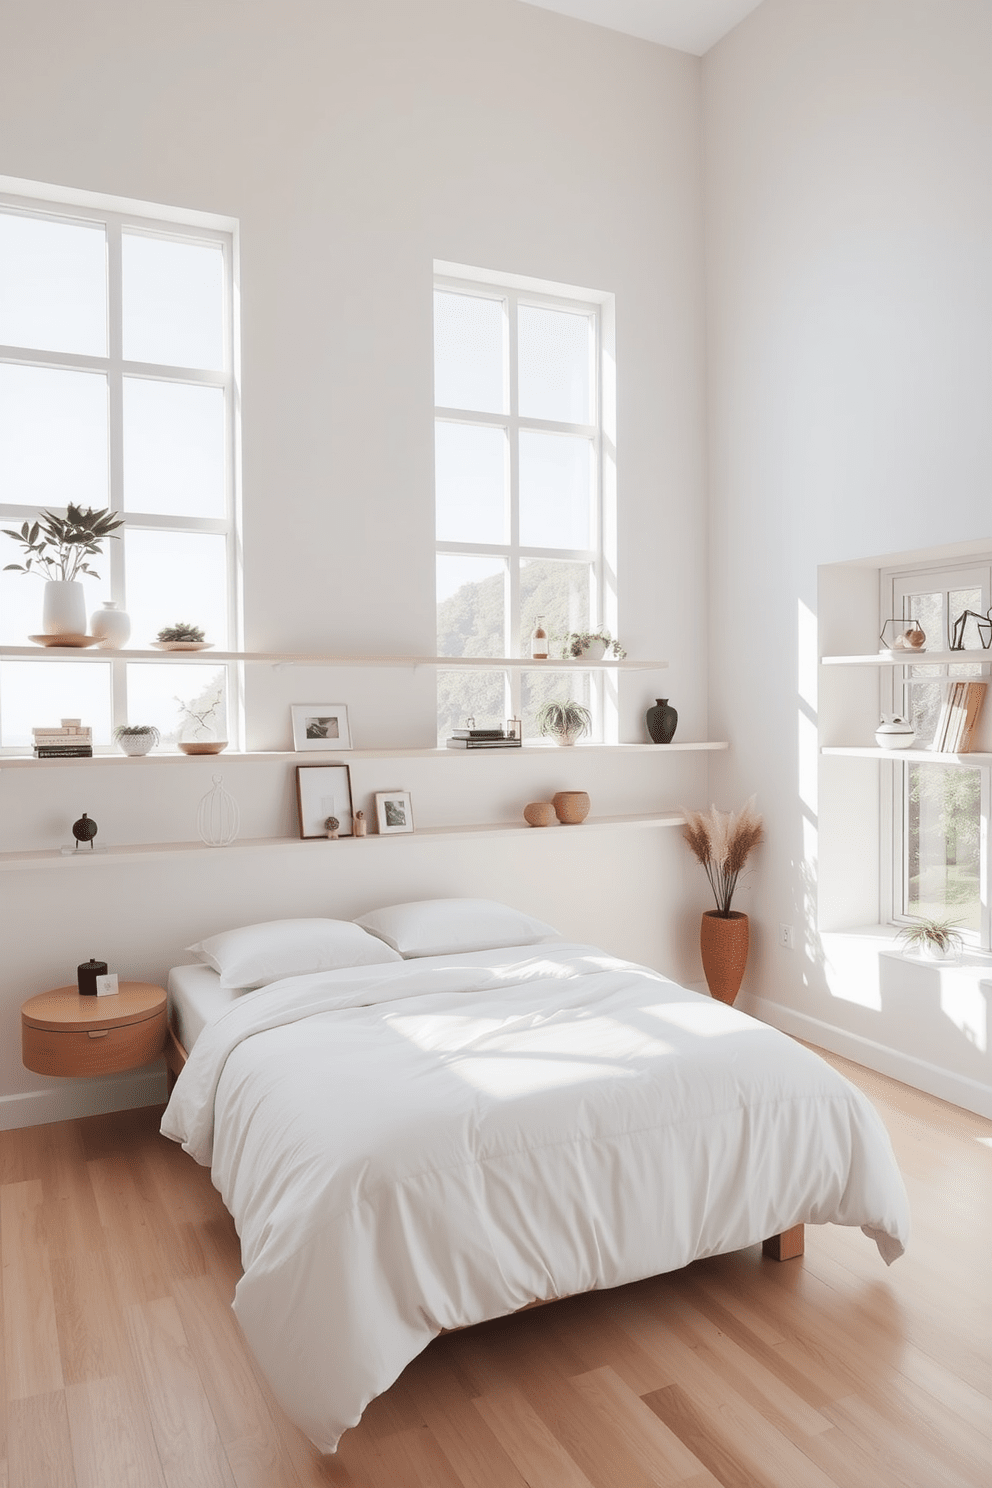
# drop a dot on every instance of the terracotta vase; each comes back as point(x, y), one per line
point(571, 807)
point(723, 945)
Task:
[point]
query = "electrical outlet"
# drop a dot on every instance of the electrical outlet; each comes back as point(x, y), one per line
point(787, 937)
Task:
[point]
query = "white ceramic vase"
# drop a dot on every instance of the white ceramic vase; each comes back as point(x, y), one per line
point(112, 625)
point(64, 608)
point(136, 744)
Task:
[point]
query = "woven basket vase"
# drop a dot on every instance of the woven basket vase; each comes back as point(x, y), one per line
point(723, 945)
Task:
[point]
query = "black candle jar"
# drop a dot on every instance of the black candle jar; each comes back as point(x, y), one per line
point(86, 976)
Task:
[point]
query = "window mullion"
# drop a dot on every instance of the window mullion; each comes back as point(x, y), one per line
point(115, 397)
point(514, 640)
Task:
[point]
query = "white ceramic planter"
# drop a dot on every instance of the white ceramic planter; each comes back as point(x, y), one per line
point(64, 608)
point(112, 625)
point(136, 743)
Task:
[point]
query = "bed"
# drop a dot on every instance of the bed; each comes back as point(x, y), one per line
point(417, 1145)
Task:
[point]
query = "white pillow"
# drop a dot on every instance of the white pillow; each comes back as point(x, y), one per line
point(441, 927)
point(255, 955)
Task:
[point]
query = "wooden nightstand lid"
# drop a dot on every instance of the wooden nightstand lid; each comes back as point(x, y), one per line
point(63, 1010)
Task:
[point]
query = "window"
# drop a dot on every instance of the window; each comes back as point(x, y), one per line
point(519, 479)
point(117, 389)
point(939, 812)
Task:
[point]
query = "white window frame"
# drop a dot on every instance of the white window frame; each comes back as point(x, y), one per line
point(115, 215)
point(896, 585)
point(512, 291)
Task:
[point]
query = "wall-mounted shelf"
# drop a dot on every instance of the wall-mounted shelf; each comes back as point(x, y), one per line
point(912, 658)
point(298, 658)
point(919, 756)
point(87, 862)
point(316, 757)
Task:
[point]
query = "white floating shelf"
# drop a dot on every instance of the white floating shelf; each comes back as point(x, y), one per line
point(299, 658)
point(85, 861)
point(922, 756)
point(912, 658)
point(316, 757)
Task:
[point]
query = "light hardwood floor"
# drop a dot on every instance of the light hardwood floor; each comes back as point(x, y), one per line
point(123, 1364)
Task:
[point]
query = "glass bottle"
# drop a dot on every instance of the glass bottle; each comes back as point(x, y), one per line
point(539, 641)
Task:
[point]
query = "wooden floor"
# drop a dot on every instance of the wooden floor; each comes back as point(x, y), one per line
point(123, 1364)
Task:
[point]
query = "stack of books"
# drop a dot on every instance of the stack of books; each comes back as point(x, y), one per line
point(958, 716)
point(71, 741)
point(482, 739)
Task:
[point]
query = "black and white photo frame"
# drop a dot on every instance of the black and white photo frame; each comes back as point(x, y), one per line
point(320, 726)
point(323, 792)
point(393, 811)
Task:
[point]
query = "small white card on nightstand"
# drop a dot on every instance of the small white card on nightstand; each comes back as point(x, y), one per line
point(106, 986)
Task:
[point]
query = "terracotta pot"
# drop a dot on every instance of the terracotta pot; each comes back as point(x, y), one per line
point(539, 814)
point(571, 807)
point(723, 945)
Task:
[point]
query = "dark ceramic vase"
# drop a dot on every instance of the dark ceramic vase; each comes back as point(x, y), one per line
point(662, 721)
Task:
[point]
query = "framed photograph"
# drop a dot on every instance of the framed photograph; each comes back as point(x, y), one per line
point(324, 792)
point(394, 811)
point(320, 726)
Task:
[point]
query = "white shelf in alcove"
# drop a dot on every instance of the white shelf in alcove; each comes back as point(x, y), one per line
point(85, 861)
point(344, 756)
point(924, 756)
point(298, 658)
point(912, 658)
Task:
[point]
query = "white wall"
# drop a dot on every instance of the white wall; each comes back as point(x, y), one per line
point(356, 144)
point(848, 150)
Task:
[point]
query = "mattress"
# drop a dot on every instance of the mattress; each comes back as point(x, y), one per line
point(196, 997)
point(421, 1146)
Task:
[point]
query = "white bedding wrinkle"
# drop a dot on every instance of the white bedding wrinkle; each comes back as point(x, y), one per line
point(427, 1145)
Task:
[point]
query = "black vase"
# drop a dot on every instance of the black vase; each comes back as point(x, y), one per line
point(662, 721)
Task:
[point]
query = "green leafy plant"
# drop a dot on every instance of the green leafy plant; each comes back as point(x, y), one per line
point(723, 841)
point(936, 936)
point(577, 640)
point(137, 731)
point(180, 632)
point(563, 720)
point(58, 547)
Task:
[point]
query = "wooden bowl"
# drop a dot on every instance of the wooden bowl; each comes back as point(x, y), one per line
point(203, 746)
point(571, 807)
point(539, 814)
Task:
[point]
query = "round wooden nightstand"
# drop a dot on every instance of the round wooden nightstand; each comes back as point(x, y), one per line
point(63, 1033)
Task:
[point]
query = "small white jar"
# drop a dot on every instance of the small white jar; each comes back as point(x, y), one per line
point(112, 625)
point(894, 732)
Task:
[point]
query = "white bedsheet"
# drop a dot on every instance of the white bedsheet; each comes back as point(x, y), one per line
point(423, 1146)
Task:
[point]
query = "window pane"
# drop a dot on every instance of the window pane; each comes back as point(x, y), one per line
point(559, 591)
point(53, 285)
point(173, 448)
point(53, 436)
point(555, 491)
point(943, 844)
point(175, 576)
point(173, 302)
point(463, 694)
point(554, 355)
point(469, 338)
point(539, 687)
point(471, 606)
point(470, 478)
point(36, 694)
point(182, 702)
point(22, 595)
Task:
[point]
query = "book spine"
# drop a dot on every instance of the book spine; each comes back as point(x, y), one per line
point(973, 707)
point(72, 751)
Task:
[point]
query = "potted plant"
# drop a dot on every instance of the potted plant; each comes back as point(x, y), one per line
point(57, 548)
point(137, 738)
point(180, 637)
point(723, 841)
point(591, 645)
point(563, 721)
point(932, 940)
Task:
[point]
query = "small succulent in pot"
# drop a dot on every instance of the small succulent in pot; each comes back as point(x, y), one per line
point(564, 721)
point(180, 632)
point(137, 738)
point(935, 939)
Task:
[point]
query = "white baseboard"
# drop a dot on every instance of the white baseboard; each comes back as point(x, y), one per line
point(91, 1097)
point(970, 1094)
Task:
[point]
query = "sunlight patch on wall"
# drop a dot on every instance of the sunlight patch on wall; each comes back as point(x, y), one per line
point(852, 971)
point(967, 1008)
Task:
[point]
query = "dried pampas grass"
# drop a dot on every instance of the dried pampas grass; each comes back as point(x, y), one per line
point(723, 841)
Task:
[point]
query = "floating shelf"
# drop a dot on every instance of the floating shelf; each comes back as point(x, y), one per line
point(912, 658)
point(320, 756)
point(919, 756)
point(84, 861)
point(299, 658)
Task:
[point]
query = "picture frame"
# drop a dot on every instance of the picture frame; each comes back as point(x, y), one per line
point(320, 726)
point(393, 811)
point(323, 791)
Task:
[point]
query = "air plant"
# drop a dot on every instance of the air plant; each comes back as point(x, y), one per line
point(723, 841)
point(563, 720)
point(936, 937)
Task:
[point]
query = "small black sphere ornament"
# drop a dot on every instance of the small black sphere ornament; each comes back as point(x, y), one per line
point(662, 721)
point(84, 830)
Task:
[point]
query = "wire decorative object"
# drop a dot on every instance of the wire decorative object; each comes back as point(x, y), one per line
point(218, 818)
point(983, 623)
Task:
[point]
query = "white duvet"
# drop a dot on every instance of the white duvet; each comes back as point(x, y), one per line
point(413, 1147)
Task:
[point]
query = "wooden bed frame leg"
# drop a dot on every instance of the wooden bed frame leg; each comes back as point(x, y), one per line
point(787, 1245)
